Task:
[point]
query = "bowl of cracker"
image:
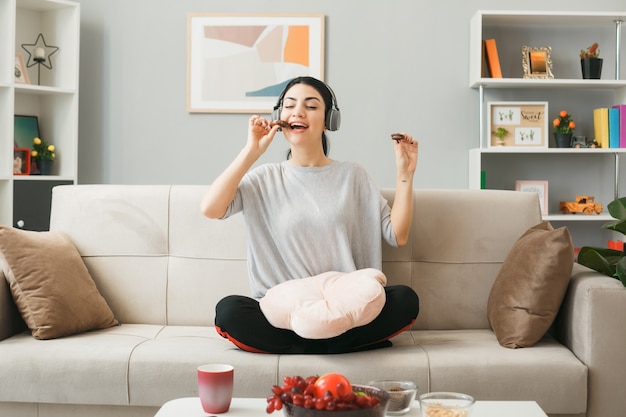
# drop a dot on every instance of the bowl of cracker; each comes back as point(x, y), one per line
point(446, 404)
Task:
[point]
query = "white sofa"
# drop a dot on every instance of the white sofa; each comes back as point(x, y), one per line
point(162, 267)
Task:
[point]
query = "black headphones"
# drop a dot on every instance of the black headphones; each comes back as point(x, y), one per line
point(333, 115)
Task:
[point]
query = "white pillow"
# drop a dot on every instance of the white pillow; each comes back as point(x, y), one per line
point(326, 305)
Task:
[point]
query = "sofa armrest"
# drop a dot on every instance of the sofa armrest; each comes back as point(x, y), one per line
point(11, 321)
point(592, 324)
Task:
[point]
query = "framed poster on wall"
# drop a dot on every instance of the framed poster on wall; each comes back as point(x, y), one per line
point(239, 63)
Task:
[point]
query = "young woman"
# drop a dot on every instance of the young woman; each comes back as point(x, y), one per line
point(309, 215)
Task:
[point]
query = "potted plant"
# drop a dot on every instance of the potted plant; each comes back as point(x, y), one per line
point(590, 62)
point(610, 262)
point(563, 129)
point(43, 154)
point(500, 133)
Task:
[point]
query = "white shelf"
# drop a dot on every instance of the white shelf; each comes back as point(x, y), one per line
point(45, 5)
point(578, 217)
point(54, 101)
point(540, 28)
point(547, 83)
point(41, 90)
point(537, 149)
point(51, 178)
point(569, 171)
point(509, 18)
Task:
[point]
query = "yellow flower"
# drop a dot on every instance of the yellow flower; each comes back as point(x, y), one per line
point(43, 150)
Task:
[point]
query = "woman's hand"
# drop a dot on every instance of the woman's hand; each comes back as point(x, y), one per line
point(406, 153)
point(260, 134)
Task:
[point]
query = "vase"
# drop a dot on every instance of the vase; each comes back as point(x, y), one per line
point(45, 166)
point(563, 140)
point(592, 68)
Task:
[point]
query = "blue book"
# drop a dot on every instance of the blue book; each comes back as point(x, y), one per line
point(622, 124)
point(613, 127)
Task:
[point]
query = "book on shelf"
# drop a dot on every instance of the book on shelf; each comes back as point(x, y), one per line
point(493, 60)
point(484, 65)
point(601, 126)
point(622, 124)
point(613, 127)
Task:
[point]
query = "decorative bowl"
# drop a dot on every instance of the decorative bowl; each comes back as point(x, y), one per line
point(291, 410)
point(448, 404)
point(401, 395)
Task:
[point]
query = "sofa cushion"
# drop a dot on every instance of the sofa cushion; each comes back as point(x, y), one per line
point(326, 305)
point(50, 284)
point(530, 285)
point(472, 361)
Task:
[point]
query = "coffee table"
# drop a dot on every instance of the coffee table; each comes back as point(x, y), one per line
point(255, 407)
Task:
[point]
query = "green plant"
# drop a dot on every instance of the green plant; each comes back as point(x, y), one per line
point(500, 133)
point(564, 123)
point(42, 150)
point(609, 262)
point(592, 52)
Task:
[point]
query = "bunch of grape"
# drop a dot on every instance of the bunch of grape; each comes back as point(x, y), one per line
point(330, 392)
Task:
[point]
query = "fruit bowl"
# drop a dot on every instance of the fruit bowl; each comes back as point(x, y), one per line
point(291, 410)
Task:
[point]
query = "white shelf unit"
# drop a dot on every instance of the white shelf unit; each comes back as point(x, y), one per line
point(569, 172)
point(54, 101)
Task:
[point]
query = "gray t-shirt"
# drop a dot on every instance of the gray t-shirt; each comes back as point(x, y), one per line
point(304, 221)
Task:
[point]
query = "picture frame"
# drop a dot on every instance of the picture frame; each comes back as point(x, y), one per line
point(539, 187)
point(537, 62)
point(21, 161)
point(25, 129)
point(20, 72)
point(240, 63)
point(525, 124)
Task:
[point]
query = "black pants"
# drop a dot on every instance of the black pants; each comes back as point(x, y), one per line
point(240, 319)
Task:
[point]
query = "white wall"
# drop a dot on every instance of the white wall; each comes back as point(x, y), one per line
point(395, 65)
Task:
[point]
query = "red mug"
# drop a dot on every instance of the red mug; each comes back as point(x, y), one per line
point(215, 386)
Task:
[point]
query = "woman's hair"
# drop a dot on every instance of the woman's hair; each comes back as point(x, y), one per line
point(326, 94)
